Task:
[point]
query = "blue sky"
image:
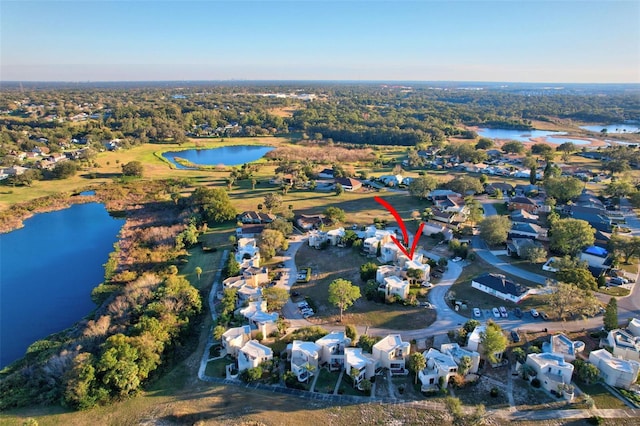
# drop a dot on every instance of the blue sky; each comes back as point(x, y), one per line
point(534, 41)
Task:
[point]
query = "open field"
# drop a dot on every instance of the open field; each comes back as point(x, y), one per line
point(333, 263)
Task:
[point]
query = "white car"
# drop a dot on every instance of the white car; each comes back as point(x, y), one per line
point(456, 259)
point(503, 312)
point(534, 313)
point(427, 284)
point(476, 312)
point(496, 313)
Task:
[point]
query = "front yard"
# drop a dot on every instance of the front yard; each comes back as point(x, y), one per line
point(333, 263)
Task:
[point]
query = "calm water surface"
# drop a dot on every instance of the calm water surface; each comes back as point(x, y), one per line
point(225, 155)
point(47, 271)
point(614, 128)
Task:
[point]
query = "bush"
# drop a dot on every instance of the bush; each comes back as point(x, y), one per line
point(535, 383)
point(494, 392)
point(595, 420)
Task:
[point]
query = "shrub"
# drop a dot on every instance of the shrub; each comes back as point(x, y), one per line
point(494, 392)
point(535, 383)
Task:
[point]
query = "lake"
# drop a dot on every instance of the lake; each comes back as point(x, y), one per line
point(527, 135)
point(225, 155)
point(614, 128)
point(47, 271)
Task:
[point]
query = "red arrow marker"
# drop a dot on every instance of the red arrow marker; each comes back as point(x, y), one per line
point(395, 214)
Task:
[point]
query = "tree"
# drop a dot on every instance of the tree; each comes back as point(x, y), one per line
point(535, 254)
point(569, 236)
point(493, 341)
point(282, 225)
point(465, 365)
point(585, 371)
point(474, 208)
point(334, 214)
point(64, 169)
point(531, 164)
point(276, 298)
point(368, 271)
point(465, 184)
point(343, 294)
point(118, 366)
point(339, 189)
point(563, 189)
point(628, 247)
point(218, 331)
point(231, 267)
point(619, 188)
point(566, 148)
point(214, 204)
point(351, 332)
point(568, 299)
point(611, 315)
point(421, 186)
point(417, 363)
point(513, 147)
point(80, 382)
point(272, 201)
point(494, 229)
point(133, 168)
point(366, 342)
point(579, 277)
point(541, 149)
point(251, 375)
point(270, 241)
point(484, 143)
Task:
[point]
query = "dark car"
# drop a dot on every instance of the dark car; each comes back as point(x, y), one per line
point(517, 312)
point(295, 294)
point(515, 337)
point(544, 315)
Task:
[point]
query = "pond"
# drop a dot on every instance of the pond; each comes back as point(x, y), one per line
point(614, 128)
point(527, 136)
point(223, 156)
point(49, 268)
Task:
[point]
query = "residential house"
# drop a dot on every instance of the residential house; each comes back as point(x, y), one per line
point(380, 238)
point(332, 349)
point(15, 170)
point(247, 254)
point(526, 189)
point(249, 231)
point(256, 217)
point(385, 271)
point(235, 338)
point(252, 354)
point(389, 252)
point(625, 344)
point(441, 216)
point(551, 369)
point(358, 365)
point(395, 286)
point(602, 239)
point(392, 353)
point(431, 228)
point(528, 230)
point(519, 246)
point(596, 257)
point(474, 341)
point(307, 222)
point(304, 358)
point(317, 238)
point(499, 286)
point(437, 194)
point(560, 344)
point(493, 188)
point(325, 174)
point(595, 216)
point(523, 203)
point(634, 327)
point(457, 353)
point(523, 216)
point(614, 371)
point(256, 313)
point(391, 180)
point(417, 264)
point(349, 184)
point(451, 204)
point(335, 236)
point(439, 367)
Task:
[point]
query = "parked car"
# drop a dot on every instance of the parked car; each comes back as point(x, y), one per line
point(280, 265)
point(514, 336)
point(618, 281)
point(435, 275)
point(456, 259)
point(503, 312)
point(496, 313)
point(517, 312)
point(534, 313)
point(544, 315)
point(476, 312)
point(295, 294)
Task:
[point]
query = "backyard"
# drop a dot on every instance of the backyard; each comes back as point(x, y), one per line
point(333, 263)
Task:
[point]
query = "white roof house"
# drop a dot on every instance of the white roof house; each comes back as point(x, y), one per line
point(256, 313)
point(317, 238)
point(438, 365)
point(332, 348)
point(625, 345)
point(235, 338)
point(363, 364)
point(392, 353)
point(304, 359)
point(384, 271)
point(634, 327)
point(457, 353)
point(552, 370)
point(395, 286)
point(615, 371)
point(417, 264)
point(560, 344)
point(248, 253)
point(335, 236)
point(252, 354)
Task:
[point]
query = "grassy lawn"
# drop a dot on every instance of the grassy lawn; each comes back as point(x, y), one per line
point(326, 382)
point(527, 266)
point(217, 368)
point(474, 394)
point(346, 387)
point(332, 263)
point(501, 209)
point(614, 291)
point(602, 398)
point(631, 268)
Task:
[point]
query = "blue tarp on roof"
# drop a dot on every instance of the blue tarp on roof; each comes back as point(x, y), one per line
point(596, 251)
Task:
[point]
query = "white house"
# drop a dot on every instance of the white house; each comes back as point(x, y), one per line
point(304, 359)
point(381, 237)
point(392, 353)
point(431, 228)
point(317, 238)
point(551, 369)
point(615, 371)
point(499, 286)
point(332, 348)
point(416, 264)
point(252, 354)
point(248, 254)
point(457, 353)
point(474, 341)
point(235, 338)
point(595, 256)
point(625, 345)
point(256, 313)
point(335, 236)
point(438, 365)
point(395, 286)
point(391, 180)
point(363, 365)
point(634, 327)
point(384, 271)
point(560, 344)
